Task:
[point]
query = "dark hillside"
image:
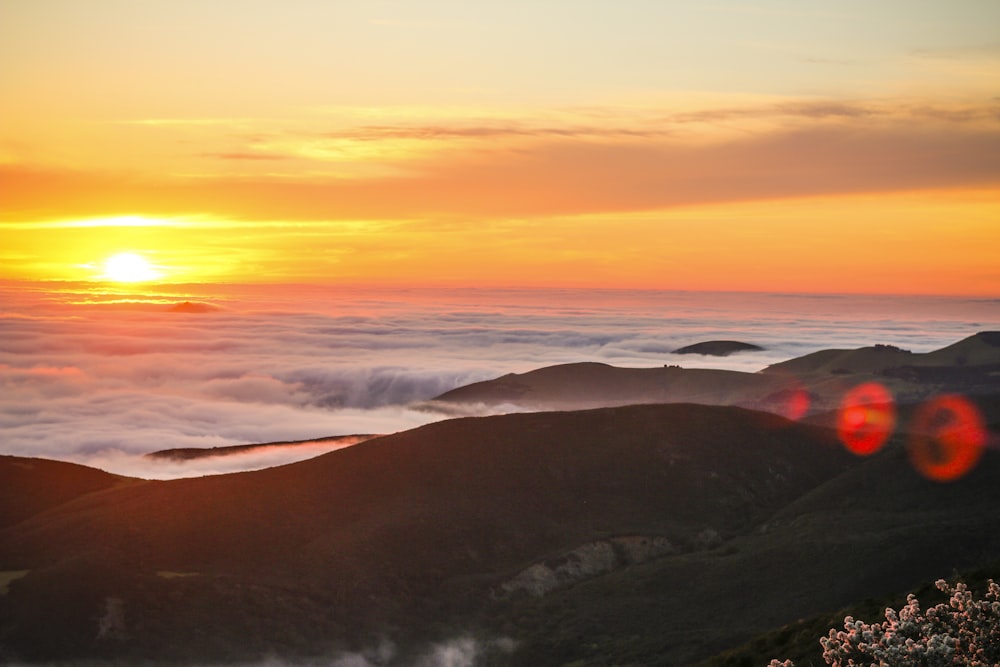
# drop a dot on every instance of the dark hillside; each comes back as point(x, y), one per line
point(409, 531)
point(29, 486)
point(718, 348)
point(813, 383)
point(641, 535)
point(583, 385)
point(878, 529)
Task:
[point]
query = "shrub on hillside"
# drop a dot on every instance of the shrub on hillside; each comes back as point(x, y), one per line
point(963, 631)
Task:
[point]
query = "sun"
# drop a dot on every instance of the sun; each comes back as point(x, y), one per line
point(128, 267)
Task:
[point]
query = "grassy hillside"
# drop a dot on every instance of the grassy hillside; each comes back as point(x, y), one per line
point(583, 385)
point(407, 531)
point(641, 535)
point(815, 382)
point(31, 486)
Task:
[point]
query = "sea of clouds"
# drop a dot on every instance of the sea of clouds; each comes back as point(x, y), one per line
point(103, 378)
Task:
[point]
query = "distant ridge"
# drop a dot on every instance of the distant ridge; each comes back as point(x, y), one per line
point(718, 348)
point(588, 385)
point(979, 349)
point(817, 380)
point(192, 307)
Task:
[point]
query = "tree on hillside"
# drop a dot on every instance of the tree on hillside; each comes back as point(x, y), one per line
point(964, 631)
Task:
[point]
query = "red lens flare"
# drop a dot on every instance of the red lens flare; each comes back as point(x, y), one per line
point(797, 404)
point(948, 438)
point(792, 402)
point(866, 418)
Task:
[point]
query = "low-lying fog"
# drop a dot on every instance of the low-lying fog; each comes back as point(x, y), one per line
point(102, 379)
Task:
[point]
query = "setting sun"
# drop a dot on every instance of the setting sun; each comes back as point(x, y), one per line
point(128, 267)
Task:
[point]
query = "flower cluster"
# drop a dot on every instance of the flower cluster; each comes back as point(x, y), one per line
point(964, 631)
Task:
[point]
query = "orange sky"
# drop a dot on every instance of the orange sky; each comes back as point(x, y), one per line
point(595, 144)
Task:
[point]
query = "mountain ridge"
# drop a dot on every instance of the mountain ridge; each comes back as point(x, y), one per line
point(813, 383)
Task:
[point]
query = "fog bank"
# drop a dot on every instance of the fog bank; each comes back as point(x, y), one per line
point(103, 378)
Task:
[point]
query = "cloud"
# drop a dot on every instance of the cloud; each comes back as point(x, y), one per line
point(103, 385)
point(139, 465)
point(245, 156)
point(789, 149)
point(506, 130)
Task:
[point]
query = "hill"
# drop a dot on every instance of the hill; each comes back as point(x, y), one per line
point(877, 529)
point(396, 532)
point(32, 486)
point(588, 385)
point(651, 534)
point(718, 348)
point(815, 382)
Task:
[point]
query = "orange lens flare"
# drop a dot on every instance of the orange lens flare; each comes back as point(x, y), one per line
point(866, 418)
point(948, 438)
point(797, 405)
point(792, 402)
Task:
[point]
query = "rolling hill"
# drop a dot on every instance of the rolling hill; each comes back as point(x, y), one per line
point(588, 385)
point(817, 380)
point(32, 486)
point(649, 534)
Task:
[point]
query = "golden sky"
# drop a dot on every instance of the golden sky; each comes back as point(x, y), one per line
point(842, 146)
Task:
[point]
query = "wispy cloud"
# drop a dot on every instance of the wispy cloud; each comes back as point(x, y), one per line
point(508, 130)
point(188, 121)
point(245, 156)
point(509, 169)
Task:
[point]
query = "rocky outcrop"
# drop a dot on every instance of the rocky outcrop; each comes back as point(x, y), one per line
point(584, 562)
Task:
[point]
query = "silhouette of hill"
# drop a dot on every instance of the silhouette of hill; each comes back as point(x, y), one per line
point(650, 534)
point(32, 486)
point(402, 531)
point(817, 381)
point(718, 348)
point(981, 349)
point(589, 385)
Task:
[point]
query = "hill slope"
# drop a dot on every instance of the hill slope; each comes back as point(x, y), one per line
point(399, 531)
point(816, 381)
point(31, 486)
point(588, 385)
point(671, 532)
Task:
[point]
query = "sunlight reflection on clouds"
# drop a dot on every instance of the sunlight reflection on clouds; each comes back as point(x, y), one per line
point(94, 381)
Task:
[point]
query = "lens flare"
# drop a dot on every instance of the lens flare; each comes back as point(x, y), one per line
point(866, 418)
point(797, 405)
point(948, 438)
point(792, 403)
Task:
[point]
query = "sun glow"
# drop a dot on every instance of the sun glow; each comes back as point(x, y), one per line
point(128, 267)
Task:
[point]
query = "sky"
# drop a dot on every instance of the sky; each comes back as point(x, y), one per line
point(767, 145)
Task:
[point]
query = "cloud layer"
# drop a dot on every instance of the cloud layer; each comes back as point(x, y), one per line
point(88, 378)
point(578, 162)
